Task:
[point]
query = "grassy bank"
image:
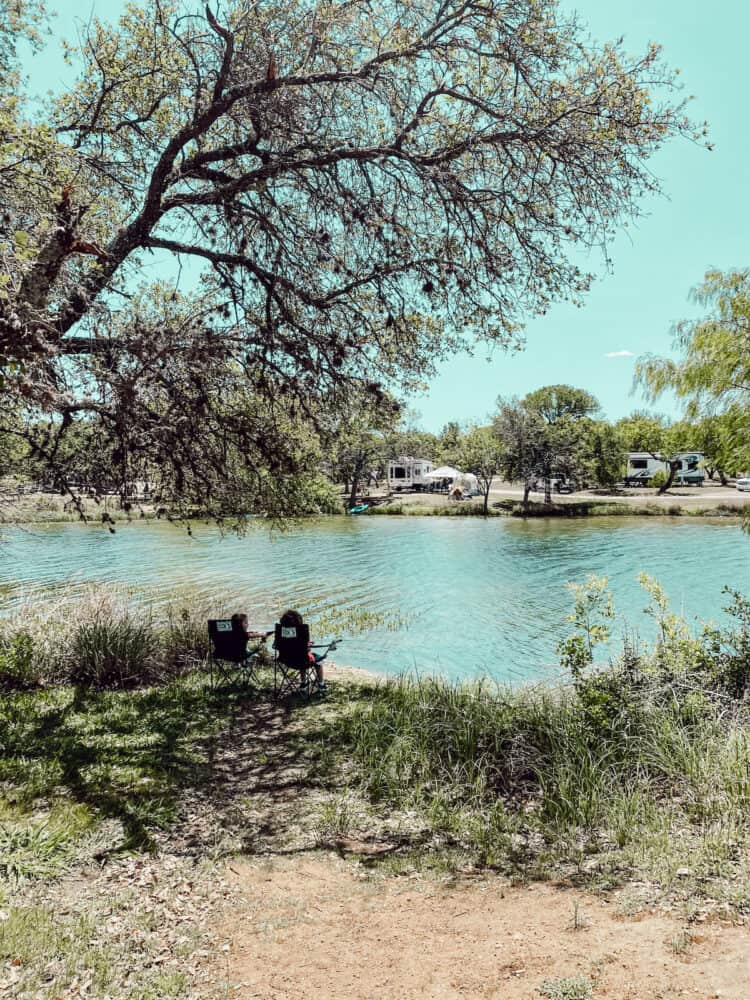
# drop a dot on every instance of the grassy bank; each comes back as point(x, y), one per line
point(51, 508)
point(573, 509)
point(121, 789)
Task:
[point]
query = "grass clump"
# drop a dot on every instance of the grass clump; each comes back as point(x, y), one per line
point(113, 652)
point(40, 846)
point(572, 988)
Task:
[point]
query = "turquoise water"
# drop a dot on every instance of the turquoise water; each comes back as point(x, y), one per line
point(478, 596)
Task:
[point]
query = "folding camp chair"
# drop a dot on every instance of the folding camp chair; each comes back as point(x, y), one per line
point(230, 661)
point(293, 672)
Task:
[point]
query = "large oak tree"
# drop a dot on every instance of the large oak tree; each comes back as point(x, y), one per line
point(333, 194)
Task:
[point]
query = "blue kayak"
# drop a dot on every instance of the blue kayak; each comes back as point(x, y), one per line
point(359, 509)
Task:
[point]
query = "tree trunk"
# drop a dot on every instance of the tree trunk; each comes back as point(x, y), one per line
point(357, 473)
point(526, 491)
point(547, 490)
point(487, 498)
point(723, 477)
point(670, 478)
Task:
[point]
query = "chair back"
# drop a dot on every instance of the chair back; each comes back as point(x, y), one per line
point(291, 644)
point(228, 640)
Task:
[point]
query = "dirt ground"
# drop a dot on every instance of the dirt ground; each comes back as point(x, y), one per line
point(311, 921)
point(320, 926)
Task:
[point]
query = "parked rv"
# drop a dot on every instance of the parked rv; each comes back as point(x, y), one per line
point(407, 473)
point(642, 467)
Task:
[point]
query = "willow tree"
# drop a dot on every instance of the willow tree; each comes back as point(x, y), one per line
point(710, 372)
point(333, 195)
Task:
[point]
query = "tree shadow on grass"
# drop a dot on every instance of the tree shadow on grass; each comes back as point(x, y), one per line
point(138, 756)
point(125, 754)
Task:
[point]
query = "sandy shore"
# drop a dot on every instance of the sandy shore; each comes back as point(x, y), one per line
point(344, 672)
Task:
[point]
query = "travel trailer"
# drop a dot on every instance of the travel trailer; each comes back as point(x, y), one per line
point(406, 473)
point(642, 467)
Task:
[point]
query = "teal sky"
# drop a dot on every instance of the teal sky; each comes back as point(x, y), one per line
point(702, 221)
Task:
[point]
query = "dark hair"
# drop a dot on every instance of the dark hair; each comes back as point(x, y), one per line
point(240, 618)
point(291, 618)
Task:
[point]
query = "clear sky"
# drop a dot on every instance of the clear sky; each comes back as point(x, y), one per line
point(702, 222)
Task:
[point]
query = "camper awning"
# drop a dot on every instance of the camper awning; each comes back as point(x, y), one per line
point(444, 472)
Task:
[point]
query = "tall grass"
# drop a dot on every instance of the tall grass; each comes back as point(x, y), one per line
point(644, 763)
point(488, 766)
point(96, 638)
point(112, 638)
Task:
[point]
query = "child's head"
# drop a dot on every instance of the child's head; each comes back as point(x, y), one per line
point(239, 618)
point(290, 618)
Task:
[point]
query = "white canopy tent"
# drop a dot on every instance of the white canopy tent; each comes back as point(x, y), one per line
point(443, 472)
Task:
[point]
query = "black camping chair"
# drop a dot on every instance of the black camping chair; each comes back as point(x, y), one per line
point(230, 662)
point(293, 673)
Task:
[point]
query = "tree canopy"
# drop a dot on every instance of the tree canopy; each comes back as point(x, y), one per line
point(713, 366)
point(336, 195)
point(550, 433)
point(711, 373)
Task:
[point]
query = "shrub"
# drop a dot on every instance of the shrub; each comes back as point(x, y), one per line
point(19, 662)
point(658, 479)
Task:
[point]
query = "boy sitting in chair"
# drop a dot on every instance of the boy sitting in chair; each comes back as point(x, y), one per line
point(295, 662)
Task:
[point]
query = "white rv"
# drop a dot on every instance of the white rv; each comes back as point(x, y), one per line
point(642, 467)
point(407, 473)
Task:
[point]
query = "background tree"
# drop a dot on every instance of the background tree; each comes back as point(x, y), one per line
point(551, 433)
point(359, 443)
point(714, 364)
point(449, 444)
point(564, 412)
point(408, 438)
point(603, 455)
point(719, 438)
point(558, 403)
point(481, 453)
point(524, 454)
point(358, 189)
point(712, 371)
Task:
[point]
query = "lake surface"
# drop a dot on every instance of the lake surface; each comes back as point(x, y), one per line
point(477, 596)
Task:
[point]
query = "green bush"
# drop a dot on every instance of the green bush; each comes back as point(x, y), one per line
point(19, 665)
point(658, 479)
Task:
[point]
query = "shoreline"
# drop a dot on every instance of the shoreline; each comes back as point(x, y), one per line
point(571, 509)
point(348, 673)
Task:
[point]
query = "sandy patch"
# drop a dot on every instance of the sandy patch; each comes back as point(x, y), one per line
point(316, 926)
